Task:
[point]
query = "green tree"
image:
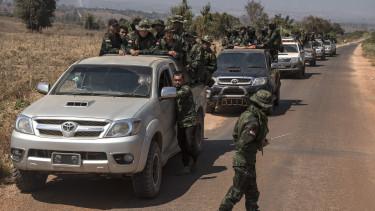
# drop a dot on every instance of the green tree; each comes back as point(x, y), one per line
point(36, 14)
point(91, 23)
point(257, 17)
point(184, 10)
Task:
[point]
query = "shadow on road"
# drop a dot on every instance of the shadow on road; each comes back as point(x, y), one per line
point(293, 77)
point(96, 192)
point(285, 105)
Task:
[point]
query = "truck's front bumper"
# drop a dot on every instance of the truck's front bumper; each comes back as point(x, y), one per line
point(232, 95)
point(97, 154)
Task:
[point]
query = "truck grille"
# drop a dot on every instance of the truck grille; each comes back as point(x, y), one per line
point(85, 155)
point(233, 91)
point(80, 128)
point(235, 81)
point(285, 60)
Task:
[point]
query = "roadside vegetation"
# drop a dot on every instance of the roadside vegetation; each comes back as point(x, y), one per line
point(28, 58)
point(369, 47)
point(351, 36)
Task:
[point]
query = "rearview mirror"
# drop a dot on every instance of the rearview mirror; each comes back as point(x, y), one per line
point(168, 92)
point(43, 87)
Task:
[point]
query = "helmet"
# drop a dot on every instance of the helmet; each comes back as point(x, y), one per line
point(169, 28)
point(207, 39)
point(177, 18)
point(262, 98)
point(158, 23)
point(144, 25)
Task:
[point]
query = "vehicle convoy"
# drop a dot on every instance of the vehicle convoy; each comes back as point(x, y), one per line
point(292, 59)
point(240, 73)
point(110, 115)
point(329, 47)
point(310, 55)
point(320, 49)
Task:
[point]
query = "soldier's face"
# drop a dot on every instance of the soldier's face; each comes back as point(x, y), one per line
point(168, 36)
point(178, 80)
point(123, 33)
point(143, 33)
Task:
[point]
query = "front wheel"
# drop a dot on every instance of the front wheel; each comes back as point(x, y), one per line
point(146, 184)
point(29, 181)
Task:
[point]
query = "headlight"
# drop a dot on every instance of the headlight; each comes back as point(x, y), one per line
point(259, 81)
point(24, 125)
point(123, 128)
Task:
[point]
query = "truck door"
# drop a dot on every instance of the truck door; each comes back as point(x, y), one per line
point(167, 115)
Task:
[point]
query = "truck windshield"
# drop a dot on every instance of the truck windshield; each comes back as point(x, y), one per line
point(249, 60)
point(290, 48)
point(327, 43)
point(100, 80)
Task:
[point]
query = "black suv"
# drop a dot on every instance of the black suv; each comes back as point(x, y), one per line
point(241, 73)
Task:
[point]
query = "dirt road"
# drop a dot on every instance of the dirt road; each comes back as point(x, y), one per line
point(323, 158)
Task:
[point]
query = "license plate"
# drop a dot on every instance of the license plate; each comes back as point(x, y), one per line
point(66, 159)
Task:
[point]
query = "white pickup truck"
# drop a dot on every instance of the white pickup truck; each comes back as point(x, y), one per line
point(112, 115)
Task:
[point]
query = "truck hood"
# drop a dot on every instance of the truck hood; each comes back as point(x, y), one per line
point(112, 108)
point(241, 72)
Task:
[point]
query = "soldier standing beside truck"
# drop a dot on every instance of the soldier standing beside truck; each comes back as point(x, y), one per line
point(249, 137)
point(186, 124)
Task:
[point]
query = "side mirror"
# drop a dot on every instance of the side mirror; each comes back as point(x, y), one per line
point(43, 87)
point(168, 93)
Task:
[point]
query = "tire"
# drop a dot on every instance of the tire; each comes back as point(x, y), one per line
point(146, 184)
point(277, 101)
point(301, 73)
point(210, 108)
point(199, 132)
point(28, 181)
point(312, 63)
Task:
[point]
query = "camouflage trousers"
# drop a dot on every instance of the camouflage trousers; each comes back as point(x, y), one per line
point(244, 183)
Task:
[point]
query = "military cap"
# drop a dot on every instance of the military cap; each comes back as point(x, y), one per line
point(169, 28)
point(144, 25)
point(262, 98)
point(113, 22)
point(158, 23)
point(207, 39)
point(178, 19)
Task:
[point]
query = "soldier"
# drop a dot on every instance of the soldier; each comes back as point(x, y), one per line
point(273, 41)
point(249, 136)
point(124, 38)
point(144, 41)
point(180, 34)
point(202, 61)
point(112, 41)
point(158, 27)
point(169, 45)
point(186, 123)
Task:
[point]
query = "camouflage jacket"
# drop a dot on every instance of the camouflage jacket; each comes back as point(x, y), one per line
point(202, 59)
point(185, 108)
point(249, 132)
point(162, 48)
point(111, 44)
point(145, 45)
point(273, 40)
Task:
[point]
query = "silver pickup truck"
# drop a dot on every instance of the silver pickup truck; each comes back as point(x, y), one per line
point(110, 115)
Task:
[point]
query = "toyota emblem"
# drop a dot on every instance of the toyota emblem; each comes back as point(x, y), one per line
point(234, 81)
point(68, 129)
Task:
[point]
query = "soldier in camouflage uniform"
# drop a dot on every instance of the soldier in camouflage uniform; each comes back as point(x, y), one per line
point(180, 34)
point(249, 137)
point(273, 41)
point(143, 41)
point(202, 61)
point(158, 27)
point(186, 123)
point(169, 45)
point(112, 42)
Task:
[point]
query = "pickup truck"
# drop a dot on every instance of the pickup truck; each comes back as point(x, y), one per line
point(240, 73)
point(292, 59)
point(110, 115)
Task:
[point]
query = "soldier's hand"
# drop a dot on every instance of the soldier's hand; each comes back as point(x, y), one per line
point(134, 52)
point(121, 53)
point(172, 53)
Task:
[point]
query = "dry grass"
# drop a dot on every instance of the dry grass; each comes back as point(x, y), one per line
point(27, 58)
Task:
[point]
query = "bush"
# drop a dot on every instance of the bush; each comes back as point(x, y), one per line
point(369, 46)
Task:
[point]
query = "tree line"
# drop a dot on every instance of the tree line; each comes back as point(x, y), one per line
point(39, 14)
